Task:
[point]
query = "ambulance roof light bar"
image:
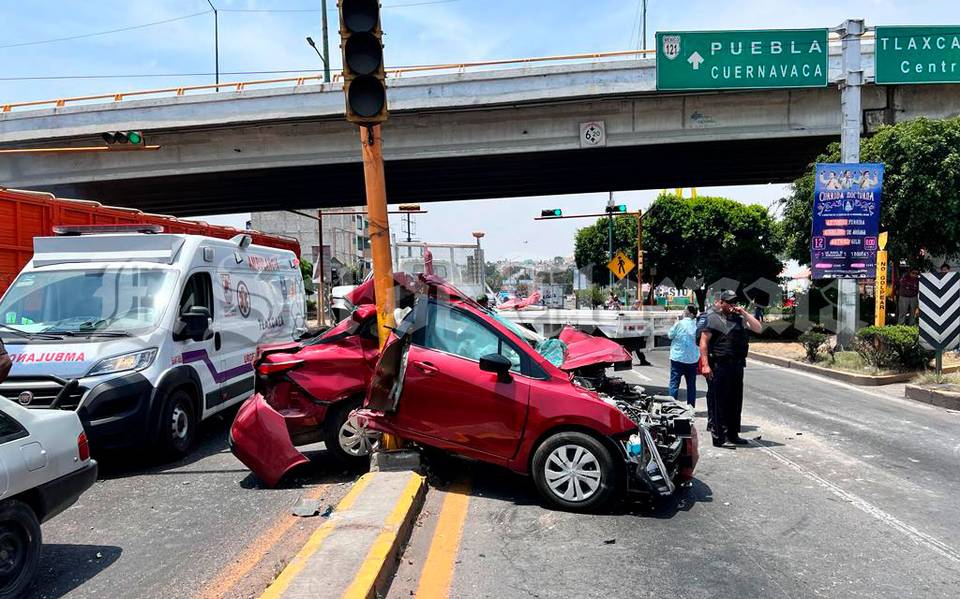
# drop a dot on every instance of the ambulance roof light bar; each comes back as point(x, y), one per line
point(74, 230)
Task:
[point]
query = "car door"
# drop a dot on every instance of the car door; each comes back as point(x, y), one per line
point(202, 355)
point(447, 400)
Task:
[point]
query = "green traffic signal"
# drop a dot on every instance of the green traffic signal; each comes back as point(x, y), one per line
point(551, 212)
point(617, 208)
point(135, 137)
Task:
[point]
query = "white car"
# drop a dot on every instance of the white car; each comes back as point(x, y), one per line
point(45, 466)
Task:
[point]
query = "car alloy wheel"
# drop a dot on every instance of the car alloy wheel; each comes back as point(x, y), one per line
point(355, 440)
point(572, 473)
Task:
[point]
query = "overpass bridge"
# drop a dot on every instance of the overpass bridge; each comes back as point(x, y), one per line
point(462, 134)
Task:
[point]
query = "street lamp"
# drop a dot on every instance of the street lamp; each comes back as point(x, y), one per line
point(216, 42)
point(323, 59)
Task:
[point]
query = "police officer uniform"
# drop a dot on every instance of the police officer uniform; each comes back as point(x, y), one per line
point(727, 355)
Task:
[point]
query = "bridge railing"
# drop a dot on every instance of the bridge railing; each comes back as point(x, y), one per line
point(240, 86)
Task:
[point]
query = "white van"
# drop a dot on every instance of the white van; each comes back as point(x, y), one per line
point(143, 334)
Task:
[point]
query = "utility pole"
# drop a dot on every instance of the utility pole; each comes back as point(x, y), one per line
point(851, 115)
point(610, 234)
point(326, 44)
point(216, 43)
point(376, 189)
point(644, 27)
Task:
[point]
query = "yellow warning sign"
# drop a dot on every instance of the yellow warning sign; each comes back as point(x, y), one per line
point(620, 265)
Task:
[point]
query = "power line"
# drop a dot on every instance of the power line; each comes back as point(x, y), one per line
point(155, 75)
point(316, 10)
point(121, 30)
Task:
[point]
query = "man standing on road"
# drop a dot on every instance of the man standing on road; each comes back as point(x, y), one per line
point(723, 356)
point(909, 290)
point(684, 354)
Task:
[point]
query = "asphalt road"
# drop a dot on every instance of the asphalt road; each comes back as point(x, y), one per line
point(843, 493)
point(202, 527)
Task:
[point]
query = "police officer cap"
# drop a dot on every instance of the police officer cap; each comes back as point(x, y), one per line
point(727, 296)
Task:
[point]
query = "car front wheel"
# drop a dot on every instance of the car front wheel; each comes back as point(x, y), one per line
point(20, 541)
point(347, 441)
point(178, 424)
point(574, 471)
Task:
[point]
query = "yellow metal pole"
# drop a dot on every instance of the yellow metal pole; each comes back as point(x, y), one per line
point(379, 228)
point(376, 190)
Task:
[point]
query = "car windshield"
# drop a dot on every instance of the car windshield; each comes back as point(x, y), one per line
point(109, 300)
point(553, 350)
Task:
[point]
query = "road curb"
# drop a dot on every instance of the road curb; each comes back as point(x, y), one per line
point(936, 397)
point(353, 554)
point(863, 380)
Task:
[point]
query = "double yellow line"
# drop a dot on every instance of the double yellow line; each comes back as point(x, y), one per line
point(437, 573)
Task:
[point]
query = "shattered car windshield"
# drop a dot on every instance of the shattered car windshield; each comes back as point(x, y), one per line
point(553, 350)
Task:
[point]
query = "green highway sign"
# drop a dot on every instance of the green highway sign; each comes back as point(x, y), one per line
point(918, 54)
point(690, 60)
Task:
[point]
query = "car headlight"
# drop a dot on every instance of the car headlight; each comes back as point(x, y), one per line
point(133, 361)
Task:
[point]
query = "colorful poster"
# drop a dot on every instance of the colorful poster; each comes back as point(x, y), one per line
point(846, 221)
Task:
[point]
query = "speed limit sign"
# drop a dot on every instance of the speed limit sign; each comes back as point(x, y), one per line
point(593, 134)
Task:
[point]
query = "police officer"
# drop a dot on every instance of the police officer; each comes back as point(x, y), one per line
point(723, 356)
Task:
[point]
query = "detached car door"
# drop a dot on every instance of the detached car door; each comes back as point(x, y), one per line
point(446, 400)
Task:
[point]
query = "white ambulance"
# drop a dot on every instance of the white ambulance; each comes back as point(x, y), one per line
point(145, 334)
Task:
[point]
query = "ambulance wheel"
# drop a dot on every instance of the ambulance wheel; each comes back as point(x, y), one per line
point(347, 442)
point(178, 425)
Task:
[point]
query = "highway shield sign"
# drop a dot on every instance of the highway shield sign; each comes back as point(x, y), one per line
point(917, 55)
point(688, 60)
point(620, 265)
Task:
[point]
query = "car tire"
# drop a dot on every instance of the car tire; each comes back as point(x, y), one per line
point(574, 471)
point(345, 442)
point(20, 541)
point(178, 425)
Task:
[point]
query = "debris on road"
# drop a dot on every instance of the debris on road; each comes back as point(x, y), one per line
point(306, 508)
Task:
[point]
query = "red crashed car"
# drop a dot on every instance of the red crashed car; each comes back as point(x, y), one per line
point(457, 377)
point(305, 393)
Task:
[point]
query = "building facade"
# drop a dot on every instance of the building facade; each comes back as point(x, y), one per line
point(346, 240)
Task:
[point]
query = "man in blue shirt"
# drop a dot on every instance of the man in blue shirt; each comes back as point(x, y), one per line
point(684, 354)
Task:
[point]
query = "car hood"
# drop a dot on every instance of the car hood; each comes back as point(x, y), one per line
point(589, 350)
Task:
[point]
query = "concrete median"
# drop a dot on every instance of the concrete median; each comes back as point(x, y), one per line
point(353, 554)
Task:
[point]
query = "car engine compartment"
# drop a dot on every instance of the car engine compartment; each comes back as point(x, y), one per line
point(664, 450)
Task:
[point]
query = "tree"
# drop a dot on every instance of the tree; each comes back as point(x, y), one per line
point(591, 246)
point(306, 269)
point(711, 238)
point(920, 203)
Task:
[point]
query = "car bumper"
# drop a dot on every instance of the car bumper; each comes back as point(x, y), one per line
point(260, 439)
point(59, 494)
point(116, 413)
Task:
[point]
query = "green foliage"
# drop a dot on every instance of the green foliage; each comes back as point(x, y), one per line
point(306, 269)
point(591, 246)
point(895, 346)
point(710, 238)
point(494, 278)
point(920, 206)
point(812, 340)
point(591, 297)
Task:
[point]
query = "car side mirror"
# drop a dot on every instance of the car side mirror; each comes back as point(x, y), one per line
point(194, 323)
point(498, 364)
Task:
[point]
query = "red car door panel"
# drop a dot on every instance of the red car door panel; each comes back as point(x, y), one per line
point(449, 398)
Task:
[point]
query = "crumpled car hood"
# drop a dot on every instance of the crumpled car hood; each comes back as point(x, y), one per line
point(588, 350)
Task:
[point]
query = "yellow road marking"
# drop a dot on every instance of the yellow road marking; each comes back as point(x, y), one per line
point(437, 572)
point(283, 581)
point(364, 584)
point(252, 554)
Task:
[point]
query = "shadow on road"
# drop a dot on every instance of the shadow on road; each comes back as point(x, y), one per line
point(63, 568)
point(322, 469)
point(211, 440)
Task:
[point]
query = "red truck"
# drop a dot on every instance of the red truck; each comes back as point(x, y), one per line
point(28, 214)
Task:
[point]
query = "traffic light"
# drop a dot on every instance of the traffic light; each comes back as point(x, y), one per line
point(364, 84)
point(552, 212)
point(617, 208)
point(123, 137)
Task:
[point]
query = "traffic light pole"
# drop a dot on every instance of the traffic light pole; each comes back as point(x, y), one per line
point(326, 44)
point(376, 191)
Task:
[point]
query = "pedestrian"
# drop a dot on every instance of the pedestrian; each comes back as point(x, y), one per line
point(684, 354)
point(723, 355)
point(701, 327)
point(908, 302)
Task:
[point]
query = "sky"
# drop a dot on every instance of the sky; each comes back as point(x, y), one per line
point(50, 49)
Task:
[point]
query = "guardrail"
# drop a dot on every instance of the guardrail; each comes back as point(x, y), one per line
point(240, 86)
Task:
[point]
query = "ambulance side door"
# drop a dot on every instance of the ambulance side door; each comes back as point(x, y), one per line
point(202, 356)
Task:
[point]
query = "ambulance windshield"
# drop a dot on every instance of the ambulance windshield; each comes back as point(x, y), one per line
point(88, 302)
